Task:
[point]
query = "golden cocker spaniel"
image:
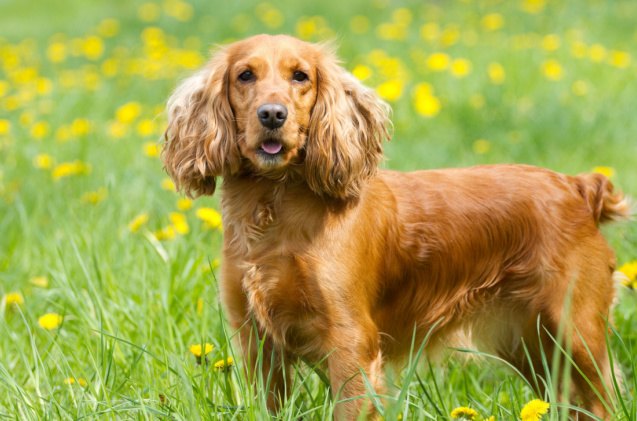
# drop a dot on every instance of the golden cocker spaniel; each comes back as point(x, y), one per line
point(337, 260)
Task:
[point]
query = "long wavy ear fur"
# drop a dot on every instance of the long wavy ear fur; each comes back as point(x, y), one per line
point(347, 127)
point(200, 138)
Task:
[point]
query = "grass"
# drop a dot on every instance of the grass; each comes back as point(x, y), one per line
point(85, 83)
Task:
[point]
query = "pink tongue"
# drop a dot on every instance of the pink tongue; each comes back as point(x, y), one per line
point(271, 147)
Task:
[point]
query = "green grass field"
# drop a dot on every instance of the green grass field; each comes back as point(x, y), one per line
point(93, 234)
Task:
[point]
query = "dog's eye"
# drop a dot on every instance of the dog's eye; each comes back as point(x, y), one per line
point(246, 76)
point(299, 76)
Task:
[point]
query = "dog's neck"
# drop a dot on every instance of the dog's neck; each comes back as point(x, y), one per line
point(254, 209)
point(244, 188)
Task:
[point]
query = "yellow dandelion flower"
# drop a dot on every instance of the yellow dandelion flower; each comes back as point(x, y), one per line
point(450, 35)
point(362, 72)
point(481, 146)
point(108, 28)
point(63, 134)
point(138, 222)
point(597, 53)
point(402, 16)
point(391, 68)
point(430, 31)
point(184, 204)
point(605, 171)
point(223, 365)
point(117, 129)
point(460, 67)
point(110, 67)
point(50, 321)
point(4, 88)
point(5, 127)
point(425, 102)
point(198, 351)
point(26, 118)
point(43, 86)
point(464, 412)
point(149, 12)
point(269, 15)
point(390, 90)
point(165, 233)
point(152, 149)
point(179, 223)
point(628, 272)
point(168, 184)
point(189, 59)
point(551, 42)
point(80, 127)
point(79, 381)
point(92, 47)
point(128, 112)
point(91, 80)
point(11, 103)
point(13, 299)
point(153, 36)
point(306, 28)
point(146, 127)
point(496, 73)
point(179, 10)
point(95, 197)
point(68, 169)
point(491, 418)
point(56, 52)
point(438, 61)
point(492, 21)
point(579, 88)
point(359, 24)
point(533, 6)
point(579, 49)
point(43, 161)
point(210, 217)
point(391, 31)
point(534, 410)
point(620, 59)
point(25, 75)
point(40, 129)
point(552, 70)
point(40, 281)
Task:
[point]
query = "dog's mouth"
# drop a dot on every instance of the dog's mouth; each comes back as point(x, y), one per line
point(271, 147)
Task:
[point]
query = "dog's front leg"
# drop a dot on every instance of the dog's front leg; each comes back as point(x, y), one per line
point(266, 368)
point(356, 374)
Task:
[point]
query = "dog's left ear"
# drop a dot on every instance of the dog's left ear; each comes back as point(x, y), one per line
point(347, 127)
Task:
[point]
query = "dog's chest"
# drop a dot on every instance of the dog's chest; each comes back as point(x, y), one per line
point(287, 303)
point(280, 279)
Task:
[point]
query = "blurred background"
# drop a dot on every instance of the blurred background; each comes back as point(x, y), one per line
point(93, 233)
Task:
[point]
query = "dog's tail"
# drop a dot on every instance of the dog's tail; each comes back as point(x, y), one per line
point(604, 203)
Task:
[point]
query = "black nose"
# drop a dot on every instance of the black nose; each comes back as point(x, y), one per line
point(272, 116)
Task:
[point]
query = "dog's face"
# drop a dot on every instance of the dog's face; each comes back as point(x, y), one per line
point(269, 106)
point(272, 89)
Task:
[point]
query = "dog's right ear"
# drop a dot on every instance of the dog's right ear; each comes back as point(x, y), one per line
point(200, 138)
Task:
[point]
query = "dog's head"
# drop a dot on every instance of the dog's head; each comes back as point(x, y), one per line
point(269, 105)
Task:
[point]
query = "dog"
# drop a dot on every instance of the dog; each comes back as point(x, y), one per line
point(328, 258)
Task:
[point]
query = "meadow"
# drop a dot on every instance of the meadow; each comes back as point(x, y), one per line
point(108, 276)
